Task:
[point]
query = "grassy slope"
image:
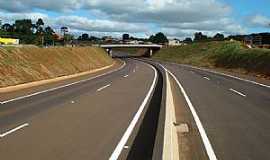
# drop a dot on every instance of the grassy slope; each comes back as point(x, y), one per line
point(229, 55)
point(21, 65)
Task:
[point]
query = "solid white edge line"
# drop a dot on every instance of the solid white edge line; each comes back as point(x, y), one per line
point(209, 149)
point(219, 73)
point(237, 92)
point(116, 153)
point(13, 130)
point(224, 74)
point(101, 88)
point(67, 85)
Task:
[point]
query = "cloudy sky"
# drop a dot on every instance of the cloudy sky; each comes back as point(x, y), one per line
point(176, 18)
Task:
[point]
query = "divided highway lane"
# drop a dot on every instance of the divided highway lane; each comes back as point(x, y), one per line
point(82, 121)
point(234, 113)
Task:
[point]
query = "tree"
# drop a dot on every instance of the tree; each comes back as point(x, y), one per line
point(159, 38)
point(64, 30)
point(85, 37)
point(200, 37)
point(49, 30)
point(68, 37)
point(125, 37)
point(40, 22)
point(24, 26)
point(40, 32)
point(93, 38)
point(219, 37)
point(49, 36)
point(7, 27)
point(39, 26)
point(187, 40)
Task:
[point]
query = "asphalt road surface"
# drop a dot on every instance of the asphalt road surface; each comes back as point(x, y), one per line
point(96, 118)
point(86, 120)
point(234, 113)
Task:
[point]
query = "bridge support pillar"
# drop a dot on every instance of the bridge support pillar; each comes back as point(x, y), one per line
point(109, 51)
point(150, 52)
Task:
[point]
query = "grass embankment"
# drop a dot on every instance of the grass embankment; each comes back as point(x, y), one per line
point(22, 65)
point(228, 55)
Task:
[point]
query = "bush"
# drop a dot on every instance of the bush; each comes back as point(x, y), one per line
point(234, 56)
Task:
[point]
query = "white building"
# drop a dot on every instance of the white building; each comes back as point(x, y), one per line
point(175, 42)
point(134, 42)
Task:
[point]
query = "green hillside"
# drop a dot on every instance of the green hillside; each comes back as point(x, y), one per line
point(229, 55)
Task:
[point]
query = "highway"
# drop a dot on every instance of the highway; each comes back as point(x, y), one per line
point(235, 113)
point(100, 116)
point(87, 120)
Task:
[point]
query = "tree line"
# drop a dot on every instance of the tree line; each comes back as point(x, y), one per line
point(33, 33)
point(40, 34)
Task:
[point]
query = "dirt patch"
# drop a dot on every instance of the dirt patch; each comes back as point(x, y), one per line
point(24, 65)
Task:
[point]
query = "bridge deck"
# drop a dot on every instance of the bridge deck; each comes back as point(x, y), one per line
point(131, 46)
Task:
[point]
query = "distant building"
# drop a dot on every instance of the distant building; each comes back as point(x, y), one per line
point(261, 38)
point(58, 37)
point(134, 42)
point(9, 41)
point(107, 39)
point(175, 42)
point(257, 39)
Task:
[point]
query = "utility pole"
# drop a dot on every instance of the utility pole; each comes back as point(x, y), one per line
point(64, 30)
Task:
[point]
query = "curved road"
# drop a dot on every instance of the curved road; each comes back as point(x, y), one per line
point(98, 118)
point(82, 121)
point(235, 113)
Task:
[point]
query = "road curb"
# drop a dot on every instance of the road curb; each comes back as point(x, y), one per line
point(170, 147)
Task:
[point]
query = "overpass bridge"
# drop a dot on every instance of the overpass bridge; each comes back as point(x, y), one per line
point(151, 47)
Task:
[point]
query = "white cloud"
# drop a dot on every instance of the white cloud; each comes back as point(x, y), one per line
point(85, 24)
point(179, 17)
point(223, 25)
point(153, 11)
point(77, 23)
point(11, 17)
point(259, 21)
point(30, 5)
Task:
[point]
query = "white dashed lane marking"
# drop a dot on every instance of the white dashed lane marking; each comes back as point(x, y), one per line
point(237, 92)
point(102, 88)
point(13, 130)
